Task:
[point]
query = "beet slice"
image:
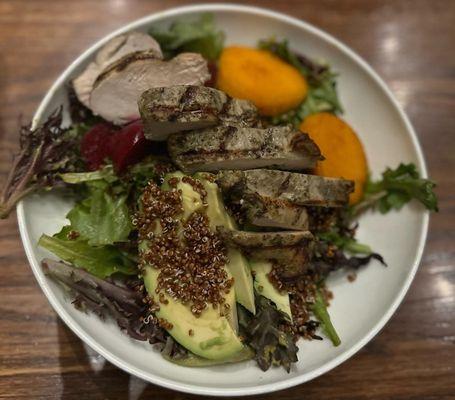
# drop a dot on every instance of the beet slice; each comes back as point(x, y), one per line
point(128, 146)
point(95, 145)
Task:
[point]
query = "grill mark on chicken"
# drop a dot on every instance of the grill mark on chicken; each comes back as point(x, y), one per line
point(226, 106)
point(121, 64)
point(285, 184)
point(187, 100)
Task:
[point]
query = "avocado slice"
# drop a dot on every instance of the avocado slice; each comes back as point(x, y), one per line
point(212, 335)
point(265, 288)
point(194, 361)
point(238, 264)
point(192, 202)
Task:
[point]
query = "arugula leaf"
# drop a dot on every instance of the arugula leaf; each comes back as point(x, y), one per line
point(322, 94)
point(319, 309)
point(396, 188)
point(101, 218)
point(343, 242)
point(100, 261)
point(198, 36)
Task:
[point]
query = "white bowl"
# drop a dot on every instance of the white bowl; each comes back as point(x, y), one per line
point(359, 310)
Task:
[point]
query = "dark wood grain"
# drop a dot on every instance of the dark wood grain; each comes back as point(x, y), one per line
point(410, 43)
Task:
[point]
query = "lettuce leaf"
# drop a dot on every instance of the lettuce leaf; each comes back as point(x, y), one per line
point(200, 36)
point(105, 173)
point(100, 261)
point(101, 218)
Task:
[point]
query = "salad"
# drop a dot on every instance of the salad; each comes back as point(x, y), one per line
point(215, 189)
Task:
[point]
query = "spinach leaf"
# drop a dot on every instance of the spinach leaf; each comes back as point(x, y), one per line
point(200, 36)
point(100, 261)
point(101, 218)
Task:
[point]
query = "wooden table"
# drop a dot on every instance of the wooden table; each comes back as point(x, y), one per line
point(412, 46)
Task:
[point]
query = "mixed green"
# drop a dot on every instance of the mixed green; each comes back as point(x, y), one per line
point(182, 231)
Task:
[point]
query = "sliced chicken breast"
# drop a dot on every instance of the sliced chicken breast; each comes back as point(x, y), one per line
point(166, 110)
point(112, 51)
point(117, 90)
point(234, 147)
point(271, 213)
point(291, 250)
point(248, 239)
point(295, 188)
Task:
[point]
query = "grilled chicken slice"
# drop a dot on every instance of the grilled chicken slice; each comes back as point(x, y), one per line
point(117, 90)
point(295, 188)
point(247, 239)
point(291, 250)
point(166, 110)
point(273, 213)
point(112, 51)
point(234, 147)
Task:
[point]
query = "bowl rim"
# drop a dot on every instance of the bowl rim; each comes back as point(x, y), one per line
point(254, 389)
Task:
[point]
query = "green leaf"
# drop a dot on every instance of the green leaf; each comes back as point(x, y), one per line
point(321, 98)
point(396, 188)
point(106, 173)
point(199, 36)
point(101, 218)
point(319, 309)
point(100, 261)
point(344, 242)
point(264, 333)
point(282, 50)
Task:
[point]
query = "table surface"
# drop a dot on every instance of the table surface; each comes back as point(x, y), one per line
point(412, 358)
